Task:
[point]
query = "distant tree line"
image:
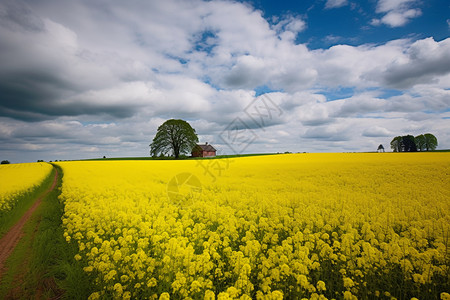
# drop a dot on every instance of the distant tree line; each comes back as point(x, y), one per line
point(409, 143)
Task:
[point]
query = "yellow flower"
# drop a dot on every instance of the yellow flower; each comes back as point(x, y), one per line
point(118, 288)
point(262, 220)
point(152, 282)
point(209, 295)
point(111, 274)
point(195, 286)
point(117, 255)
point(276, 295)
point(126, 295)
point(321, 286)
point(88, 269)
point(224, 296)
point(94, 296)
point(445, 296)
point(348, 283)
point(164, 296)
point(348, 296)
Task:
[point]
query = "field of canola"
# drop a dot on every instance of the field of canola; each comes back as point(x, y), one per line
point(19, 179)
point(318, 226)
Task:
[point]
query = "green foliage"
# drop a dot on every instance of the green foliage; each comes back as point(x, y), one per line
point(430, 141)
point(408, 143)
point(396, 144)
point(5, 162)
point(420, 142)
point(173, 137)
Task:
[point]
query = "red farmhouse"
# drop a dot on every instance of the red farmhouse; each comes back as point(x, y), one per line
point(205, 150)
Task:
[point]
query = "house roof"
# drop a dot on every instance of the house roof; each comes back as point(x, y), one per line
point(206, 147)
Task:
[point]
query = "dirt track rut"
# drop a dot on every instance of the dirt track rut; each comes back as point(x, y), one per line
point(10, 240)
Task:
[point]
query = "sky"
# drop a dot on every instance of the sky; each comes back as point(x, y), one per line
point(87, 79)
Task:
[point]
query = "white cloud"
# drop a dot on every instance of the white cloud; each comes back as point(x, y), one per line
point(335, 3)
point(334, 132)
point(390, 5)
point(422, 62)
point(377, 131)
point(396, 12)
point(289, 26)
point(397, 19)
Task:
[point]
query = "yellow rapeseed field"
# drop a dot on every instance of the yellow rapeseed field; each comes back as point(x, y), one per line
point(318, 226)
point(18, 179)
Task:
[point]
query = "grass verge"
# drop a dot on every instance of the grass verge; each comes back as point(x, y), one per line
point(42, 266)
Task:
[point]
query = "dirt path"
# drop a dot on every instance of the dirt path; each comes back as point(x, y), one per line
point(9, 241)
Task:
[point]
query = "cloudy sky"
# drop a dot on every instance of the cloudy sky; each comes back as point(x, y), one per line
point(84, 79)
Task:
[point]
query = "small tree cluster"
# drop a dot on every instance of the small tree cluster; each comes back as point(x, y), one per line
point(409, 143)
point(5, 162)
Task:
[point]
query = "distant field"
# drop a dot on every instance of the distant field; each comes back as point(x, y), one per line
point(18, 179)
point(292, 226)
point(19, 183)
point(215, 157)
point(181, 158)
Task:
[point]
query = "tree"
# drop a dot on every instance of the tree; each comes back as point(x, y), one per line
point(408, 144)
point(420, 142)
point(404, 143)
point(396, 144)
point(380, 148)
point(175, 136)
point(430, 141)
point(5, 162)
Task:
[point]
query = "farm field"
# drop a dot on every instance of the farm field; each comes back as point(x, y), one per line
point(18, 180)
point(319, 226)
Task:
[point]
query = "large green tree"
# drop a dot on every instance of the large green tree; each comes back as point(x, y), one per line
point(420, 142)
point(430, 141)
point(175, 136)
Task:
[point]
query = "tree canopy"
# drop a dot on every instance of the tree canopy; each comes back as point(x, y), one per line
point(173, 137)
point(420, 142)
point(430, 142)
point(396, 144)
point(409, 143)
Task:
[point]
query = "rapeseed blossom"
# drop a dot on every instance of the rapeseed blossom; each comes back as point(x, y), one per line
point(19, 179)
point(295, 226)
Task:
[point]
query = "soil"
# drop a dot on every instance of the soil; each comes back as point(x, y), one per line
point(9, 241)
